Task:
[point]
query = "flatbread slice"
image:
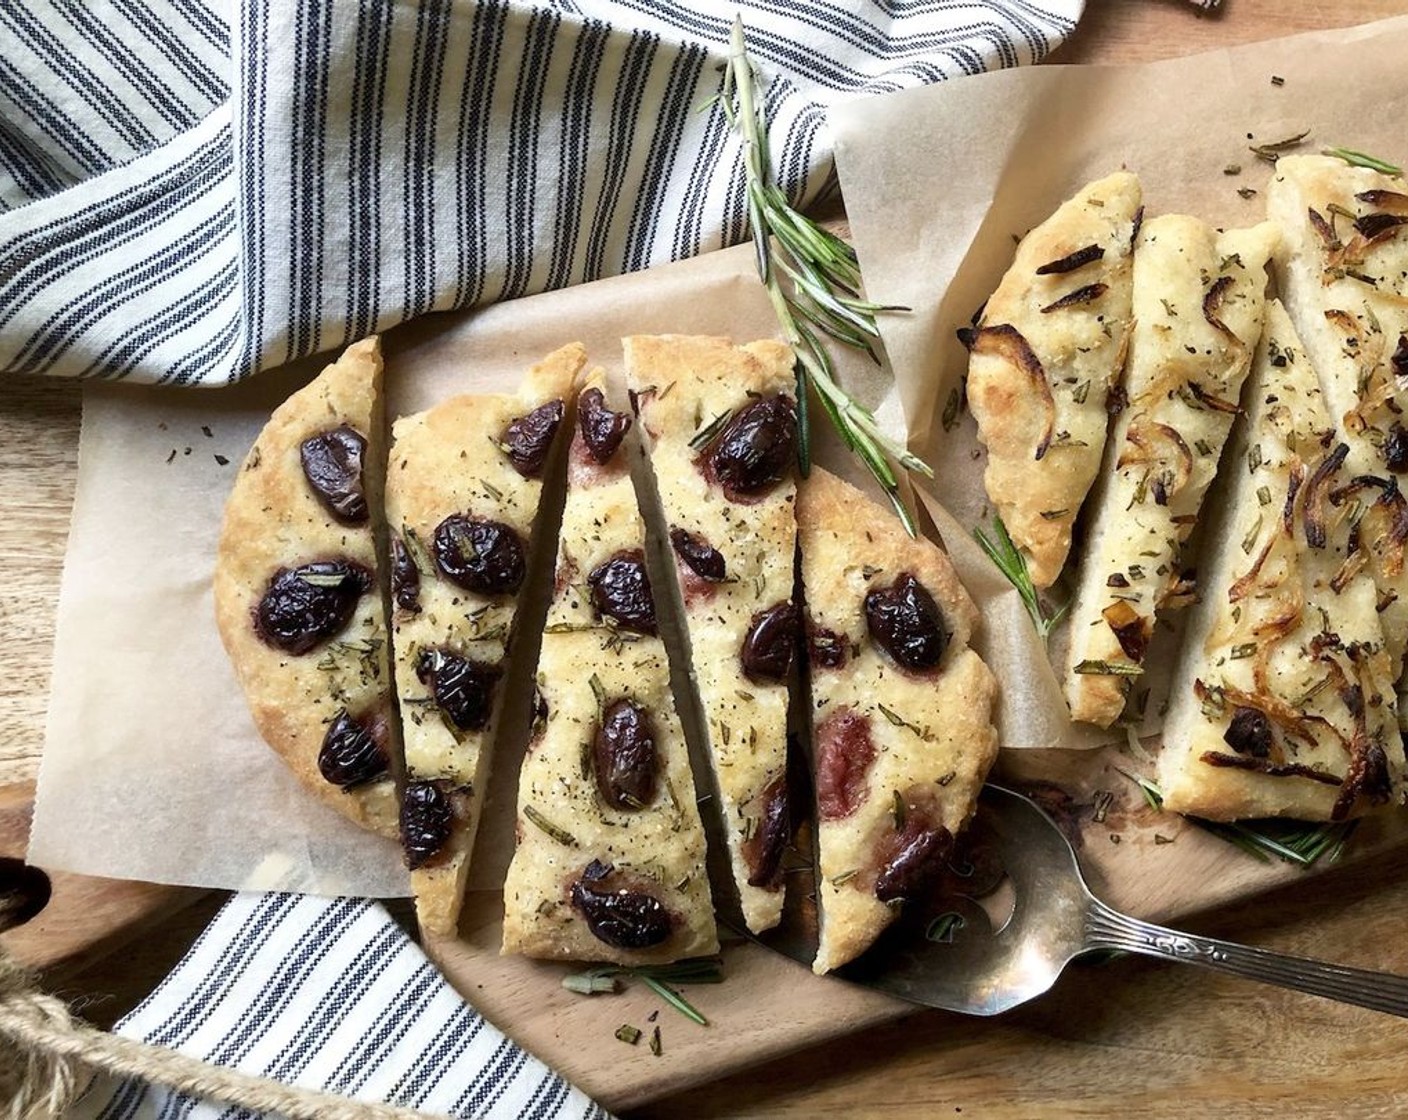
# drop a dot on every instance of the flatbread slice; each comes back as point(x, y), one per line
point(462, 500)
point(1199, 298)
point(610, 858)
point(296, 590)
point(902, 709)
point(1283, 702)
point(1043, 357)
point(1343, 264)
point(720, 424)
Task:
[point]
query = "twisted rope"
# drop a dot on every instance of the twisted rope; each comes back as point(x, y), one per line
point(46, 1057)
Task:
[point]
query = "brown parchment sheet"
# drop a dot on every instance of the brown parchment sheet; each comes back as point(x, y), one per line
point(939, 180)
point(152, 768)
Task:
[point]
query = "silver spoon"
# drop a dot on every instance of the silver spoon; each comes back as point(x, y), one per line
point(958, 962)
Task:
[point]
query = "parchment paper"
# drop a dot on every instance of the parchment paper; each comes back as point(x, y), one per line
point(938, 180)
point(152, 768)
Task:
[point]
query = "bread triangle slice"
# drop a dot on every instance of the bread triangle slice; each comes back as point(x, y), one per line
point(1283, 701)
point(1199, 299)
point(1044, 355)
point(1343, 264)
point(732, 526)
point(321, 700)
point(464, 485)
point(610, 857)
point(901, 749)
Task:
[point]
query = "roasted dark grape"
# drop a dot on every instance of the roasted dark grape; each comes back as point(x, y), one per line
point(764, 848)
point(623, 756)
point(332, 463)
point(905, 621)
point(479, 555)
point(620, 590)
point(916, 866)
point(770, 642)
point(353, 751)
point(528, 439)
point(602, 430)
point(704, 560)
point(310, 604)
point(405, 576)
point(757, 448)
point(623, 918)
point(426, 819)
point(462, 689)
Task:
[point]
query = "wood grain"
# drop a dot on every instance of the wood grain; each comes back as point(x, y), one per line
point(1124, 1038)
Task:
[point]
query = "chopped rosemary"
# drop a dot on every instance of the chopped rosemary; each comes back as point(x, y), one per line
point(628, 1034)
point(655, 1047)
point(706, 434)
point(944, 928)
point(1272, 151)
point(1094, 668)
point(1012, 564)
point(824, 299)
point(561, 835)
point(1359, 159)
point(696, 970)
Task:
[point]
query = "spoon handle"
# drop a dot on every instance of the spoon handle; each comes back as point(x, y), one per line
point(1381, 991)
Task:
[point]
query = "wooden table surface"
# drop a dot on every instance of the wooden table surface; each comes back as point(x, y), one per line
point(1123, 1038)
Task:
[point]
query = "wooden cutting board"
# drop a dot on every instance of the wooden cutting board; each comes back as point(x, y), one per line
point(1150, 864)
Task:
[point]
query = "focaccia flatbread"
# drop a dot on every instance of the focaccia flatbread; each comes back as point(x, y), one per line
point(720, 423)
point(901, 706)
point(610, 857)
point(1344, 267)
point(1283, 702)
point(1044, 355)
point(462, 497)
point(1199, 298)
point(296, 592)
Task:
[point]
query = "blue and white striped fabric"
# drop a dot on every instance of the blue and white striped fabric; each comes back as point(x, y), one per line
point(186, 200)
point(329, 994)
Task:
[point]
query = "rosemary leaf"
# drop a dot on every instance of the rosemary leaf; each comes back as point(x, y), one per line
point(1359, 159)
point(673, 998)
point(823, 295)
point(1013, 565)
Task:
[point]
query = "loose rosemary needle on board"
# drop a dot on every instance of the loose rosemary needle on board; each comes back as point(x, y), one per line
point(822, 295)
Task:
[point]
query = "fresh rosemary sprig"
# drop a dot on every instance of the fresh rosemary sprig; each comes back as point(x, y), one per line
point(822, 297)
point(658, 978)
point(1359, 159)
point(1300, 842)
point(1012, 564)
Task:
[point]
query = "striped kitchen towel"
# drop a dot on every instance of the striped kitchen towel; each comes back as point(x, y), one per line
point(329, 994)
point(189, 200)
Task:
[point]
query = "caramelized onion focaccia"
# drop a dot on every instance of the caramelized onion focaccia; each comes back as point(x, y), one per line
point(902, 711)
point(1043, 357)
point(463, 489)
point(720, 423)
point(296, 596)
point(1344, 267)
point(610, 858)
point(1283, 703)
point(1199, 299)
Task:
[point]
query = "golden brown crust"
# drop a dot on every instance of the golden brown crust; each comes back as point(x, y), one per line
point(1199, 298)
point(565, 822)
point(1045, 353)
point(683, 384)
point(273, 520)
point(1284, 679)
point(447, 460)
point(932, 731)
point(1343, 262)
